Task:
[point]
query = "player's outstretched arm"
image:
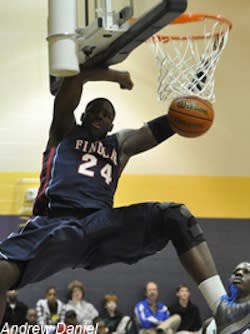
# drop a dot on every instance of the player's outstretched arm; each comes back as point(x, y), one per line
point(132, 142)
point(69, 96)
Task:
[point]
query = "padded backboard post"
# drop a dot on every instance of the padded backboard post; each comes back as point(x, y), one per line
point(126, 41)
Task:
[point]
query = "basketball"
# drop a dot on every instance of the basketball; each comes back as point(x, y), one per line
point(190, 116)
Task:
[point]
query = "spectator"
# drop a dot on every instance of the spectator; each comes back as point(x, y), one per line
point(15, 310)
point(85, 311)
point(51, 310)
point(114, 320)
point(31, 316)
point(189, 312)
point(31, 319)
point(70, 320)
point(153, 316)
point(101, 326)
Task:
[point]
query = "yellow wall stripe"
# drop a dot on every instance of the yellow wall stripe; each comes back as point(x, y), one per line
point(206, 196)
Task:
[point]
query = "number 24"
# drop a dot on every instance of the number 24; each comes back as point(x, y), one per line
point(89, 161)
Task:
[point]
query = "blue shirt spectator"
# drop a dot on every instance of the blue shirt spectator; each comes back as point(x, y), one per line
point(147, 318)
point(149, 312)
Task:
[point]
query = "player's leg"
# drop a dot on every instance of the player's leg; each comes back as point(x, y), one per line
point(193, 251)
point(149, 227)
point(45, 246)
point(9, 276)
point(199, 263)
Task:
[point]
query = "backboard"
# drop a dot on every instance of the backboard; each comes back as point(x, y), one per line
point(84, 33)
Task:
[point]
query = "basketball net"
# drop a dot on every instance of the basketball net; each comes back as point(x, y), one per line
point(187, 63)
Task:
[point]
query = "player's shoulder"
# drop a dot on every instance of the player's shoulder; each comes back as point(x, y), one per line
point(122, 135)
point(56, 135)
point(123, 132)
point(112, 139)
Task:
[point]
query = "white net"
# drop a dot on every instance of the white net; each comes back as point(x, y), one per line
point(187, 64)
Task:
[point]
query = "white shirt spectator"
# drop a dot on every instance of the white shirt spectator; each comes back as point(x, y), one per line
point(85, 311)
point(44, 316)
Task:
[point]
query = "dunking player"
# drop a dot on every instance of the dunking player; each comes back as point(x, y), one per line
point(74, 223)
point(239, 288)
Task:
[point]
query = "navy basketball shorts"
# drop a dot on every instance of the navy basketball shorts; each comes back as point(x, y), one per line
point(47, 245)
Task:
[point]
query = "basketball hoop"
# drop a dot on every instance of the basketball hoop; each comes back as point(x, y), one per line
point(187, 62)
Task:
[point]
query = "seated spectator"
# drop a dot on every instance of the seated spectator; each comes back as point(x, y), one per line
point(85, 311)
point(101, 326)
point(15, 311)
point(70, 320)
point(31, 316)
point(50, 310)
point(31, 319)
point(153, 316)
point(114, 320)
point(189, 312)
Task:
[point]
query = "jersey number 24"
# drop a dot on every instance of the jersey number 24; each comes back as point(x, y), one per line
point(90, 161)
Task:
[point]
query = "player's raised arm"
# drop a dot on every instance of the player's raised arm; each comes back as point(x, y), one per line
point(149, 135)
point(69, 96)
point(66, 101)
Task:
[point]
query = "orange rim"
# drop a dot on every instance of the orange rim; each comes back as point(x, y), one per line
point(194, 17)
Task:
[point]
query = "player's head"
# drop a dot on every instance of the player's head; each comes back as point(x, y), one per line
point(98, 117)
point(240, 277)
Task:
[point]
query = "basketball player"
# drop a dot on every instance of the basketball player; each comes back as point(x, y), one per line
point(74, 223)
point(240, 292)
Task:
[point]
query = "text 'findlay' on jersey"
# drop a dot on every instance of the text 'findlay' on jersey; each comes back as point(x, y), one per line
point(96, 147)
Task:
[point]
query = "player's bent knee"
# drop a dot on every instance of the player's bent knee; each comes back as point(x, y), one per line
point(10, 274)
point(183, 228)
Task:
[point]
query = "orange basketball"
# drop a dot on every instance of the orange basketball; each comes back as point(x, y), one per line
point(190, 116)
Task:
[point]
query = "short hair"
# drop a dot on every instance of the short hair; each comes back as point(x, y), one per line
point(110, 297)
point(50, 288)
point(149, 282)
point(75, 284)
point(29, 310)
point(100, 100)
point(242, 265)
point(70, 314)
point(180, 286)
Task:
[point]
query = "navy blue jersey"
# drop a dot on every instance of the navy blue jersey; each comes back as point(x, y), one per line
point(79, 173)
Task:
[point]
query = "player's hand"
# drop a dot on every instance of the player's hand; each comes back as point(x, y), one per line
point(107, 74)
point(124, 80)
